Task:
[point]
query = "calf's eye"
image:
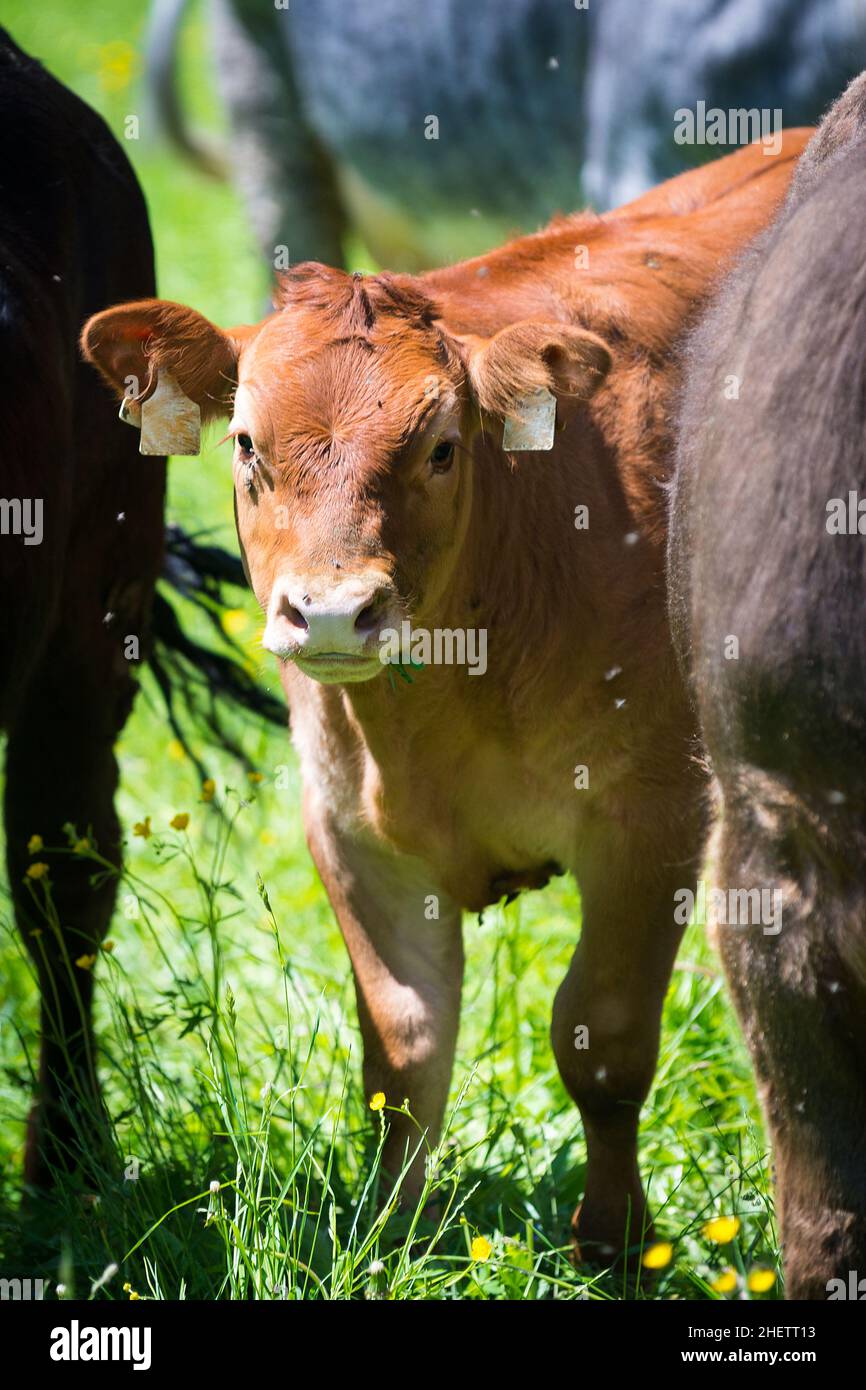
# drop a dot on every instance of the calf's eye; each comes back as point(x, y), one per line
point(442, 456)
point(245, 444)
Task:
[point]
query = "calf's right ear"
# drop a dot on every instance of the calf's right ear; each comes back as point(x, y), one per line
point(151, 349)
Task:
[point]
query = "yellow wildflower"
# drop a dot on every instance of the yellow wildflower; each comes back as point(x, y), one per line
point(726, 1281)
point(480, 1249)
point(86, 962)
point(35, 844)
point(133, 1296)
point(108, 946)
point(208, 789)
point(176, 750)
point(117, 64)
point(180, 821)
point(658, 1256)
point(235, 621)
point(722, 1229)
point(142, 828)
point(760, 1280)
point(256, 776)
point(377, 1101)
point(81, 846)
point(38, 870)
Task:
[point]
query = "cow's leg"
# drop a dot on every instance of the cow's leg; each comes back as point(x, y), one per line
point(801, 994)
point(614, 990)
point(60, 768)
point(405, 943)
point(281, 167)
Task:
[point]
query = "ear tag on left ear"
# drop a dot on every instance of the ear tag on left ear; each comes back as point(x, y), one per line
point(130, 412)
point(533, 425)
point(170, 421)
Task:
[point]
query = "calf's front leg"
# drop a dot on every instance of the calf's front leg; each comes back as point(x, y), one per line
point(408, 968)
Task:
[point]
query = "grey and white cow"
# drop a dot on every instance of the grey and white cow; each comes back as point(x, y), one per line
point(439, 128)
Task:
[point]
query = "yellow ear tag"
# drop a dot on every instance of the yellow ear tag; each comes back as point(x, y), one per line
point(533, 426)
point(170, 421)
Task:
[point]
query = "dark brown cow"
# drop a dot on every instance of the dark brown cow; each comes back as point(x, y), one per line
point(769, 587)
point(80, 547)
point(372, 489)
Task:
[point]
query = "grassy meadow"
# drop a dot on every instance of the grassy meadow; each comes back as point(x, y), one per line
point(245, 1162)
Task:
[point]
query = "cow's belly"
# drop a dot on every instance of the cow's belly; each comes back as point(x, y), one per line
point(487, 817)
point(483, 832)
point(506, 835)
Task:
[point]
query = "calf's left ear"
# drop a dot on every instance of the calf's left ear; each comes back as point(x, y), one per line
point(170, 365)
point(514, 374)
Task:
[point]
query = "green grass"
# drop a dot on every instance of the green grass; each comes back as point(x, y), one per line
point(230, 1047)
point(230, 1055)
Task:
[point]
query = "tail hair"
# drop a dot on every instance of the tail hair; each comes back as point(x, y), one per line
point(206, 681)
point(163, 37)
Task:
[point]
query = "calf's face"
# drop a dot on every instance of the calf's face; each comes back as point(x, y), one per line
point(352, 486)
point(353, 411)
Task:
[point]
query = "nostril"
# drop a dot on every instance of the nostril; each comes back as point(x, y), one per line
point(296, 617)
point(368, 617)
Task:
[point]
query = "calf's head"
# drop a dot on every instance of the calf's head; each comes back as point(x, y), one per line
point(353, 410)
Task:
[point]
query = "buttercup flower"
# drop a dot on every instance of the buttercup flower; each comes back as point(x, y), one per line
point(235, 621)
point(142, 829)
point(117, 64)
point(37, 870)
point(81, 846)
point(34, 844)
point(480, 1249)
point(86, 962)
point(658, 1256)
point(760, 1280)
point(377, 1101)
point(208, 789)
point(180, 821)
point(726, 1281)
point(722, 1229)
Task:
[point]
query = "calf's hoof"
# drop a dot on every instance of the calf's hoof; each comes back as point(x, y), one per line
point(605, 1239)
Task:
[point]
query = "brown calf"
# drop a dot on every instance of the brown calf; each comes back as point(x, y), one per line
point(372, 488)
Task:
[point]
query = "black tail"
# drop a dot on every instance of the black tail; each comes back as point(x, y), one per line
point(205, 680)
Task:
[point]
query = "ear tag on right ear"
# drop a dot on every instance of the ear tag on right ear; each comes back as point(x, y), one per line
point(533, 425)
point(170, 421)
